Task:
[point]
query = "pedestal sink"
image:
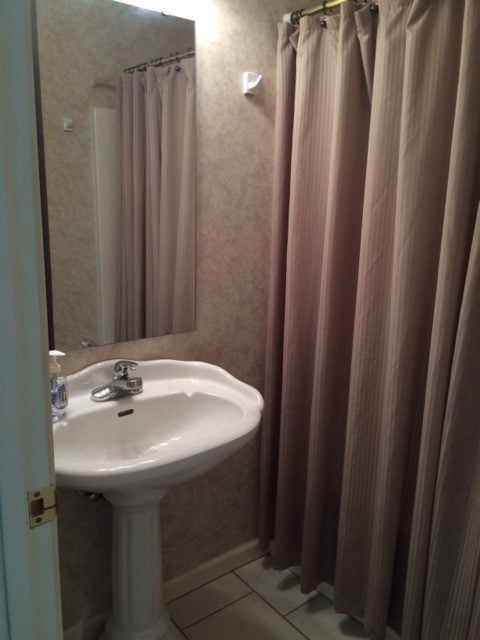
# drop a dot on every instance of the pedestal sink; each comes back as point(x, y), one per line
point(190, 417)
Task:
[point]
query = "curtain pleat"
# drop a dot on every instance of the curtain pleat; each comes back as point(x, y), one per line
point(407, 173)
point(129, 316)
point(155, 216)
point(286, 59)
point(372, 375)
point(156, 263)
point(337, 281)
point(324, 91)
point(454, 554)
point(463, 190)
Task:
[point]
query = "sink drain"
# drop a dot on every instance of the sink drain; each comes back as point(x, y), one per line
point(127, 412)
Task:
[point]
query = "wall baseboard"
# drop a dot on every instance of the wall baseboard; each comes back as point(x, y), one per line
point(179, 586)
point(211, 570)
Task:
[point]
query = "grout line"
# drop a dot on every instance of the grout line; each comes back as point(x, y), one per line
point(296, 628)
point(300, 606)
point(282, 615)
point(217, 611)
point(178, 629)
point(197, 588)
point(213, 580)
point(211, 570)
point(245, 582)
point(240, 566)
point(273, 606)
point(270, 606)
point(252, 590)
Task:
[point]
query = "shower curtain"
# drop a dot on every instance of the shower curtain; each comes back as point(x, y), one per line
point(156, 247)
point(370, 470)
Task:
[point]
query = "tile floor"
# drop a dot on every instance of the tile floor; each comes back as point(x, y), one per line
point(255, 602)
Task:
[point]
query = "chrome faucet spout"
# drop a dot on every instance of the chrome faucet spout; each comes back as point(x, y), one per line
point(121, 384)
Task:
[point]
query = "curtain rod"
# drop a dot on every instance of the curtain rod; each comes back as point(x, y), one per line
point(156, 62)
point(294, 16)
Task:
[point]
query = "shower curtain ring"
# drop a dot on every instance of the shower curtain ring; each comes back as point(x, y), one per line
point(323, 21)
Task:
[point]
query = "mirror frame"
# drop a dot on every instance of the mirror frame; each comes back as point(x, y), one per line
point(42, 177)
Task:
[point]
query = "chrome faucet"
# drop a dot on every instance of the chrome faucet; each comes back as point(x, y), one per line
point(121, 384)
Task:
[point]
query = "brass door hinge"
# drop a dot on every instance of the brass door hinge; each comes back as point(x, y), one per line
point(42, 506)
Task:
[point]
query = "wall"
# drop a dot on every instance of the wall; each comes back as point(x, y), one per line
point(218, 511)
point(79, 41)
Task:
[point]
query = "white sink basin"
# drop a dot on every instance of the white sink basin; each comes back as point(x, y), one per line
point(190, 417)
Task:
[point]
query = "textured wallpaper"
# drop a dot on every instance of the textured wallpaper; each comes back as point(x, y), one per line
point(79, 41)
point(218, 511)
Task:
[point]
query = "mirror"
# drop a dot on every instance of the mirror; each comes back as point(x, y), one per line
point(117, 162)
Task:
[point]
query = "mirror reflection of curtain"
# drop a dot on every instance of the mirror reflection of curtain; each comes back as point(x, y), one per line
point(156, 248)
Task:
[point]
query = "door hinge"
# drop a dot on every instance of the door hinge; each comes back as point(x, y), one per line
point(42, 506)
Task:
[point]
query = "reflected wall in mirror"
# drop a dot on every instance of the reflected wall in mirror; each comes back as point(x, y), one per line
point(119, 158)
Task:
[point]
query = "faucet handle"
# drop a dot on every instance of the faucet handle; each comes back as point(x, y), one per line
point(122, 367)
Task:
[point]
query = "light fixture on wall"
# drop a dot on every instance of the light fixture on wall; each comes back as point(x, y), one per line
point(178, 8)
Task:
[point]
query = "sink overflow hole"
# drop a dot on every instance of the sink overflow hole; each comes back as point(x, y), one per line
point(127, 412)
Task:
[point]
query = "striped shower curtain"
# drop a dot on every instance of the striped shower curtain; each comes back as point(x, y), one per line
point(370, 470)
point(156, 249)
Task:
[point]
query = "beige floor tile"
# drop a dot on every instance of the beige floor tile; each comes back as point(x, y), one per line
point(297, 570)
point(326, 590)
point(318, 621)
point(281, 589)
point(247, 619)
point(206, 600)
point(176, 634)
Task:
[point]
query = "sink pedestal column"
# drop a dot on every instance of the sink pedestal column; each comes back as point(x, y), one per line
point(138, 611)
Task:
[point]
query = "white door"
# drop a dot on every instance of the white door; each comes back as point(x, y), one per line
point(29, 608)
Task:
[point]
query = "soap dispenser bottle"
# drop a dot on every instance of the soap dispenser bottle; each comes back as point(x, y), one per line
point(58, 387)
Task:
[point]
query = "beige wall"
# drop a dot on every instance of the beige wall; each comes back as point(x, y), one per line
point(218, 511)
point(79, 40)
